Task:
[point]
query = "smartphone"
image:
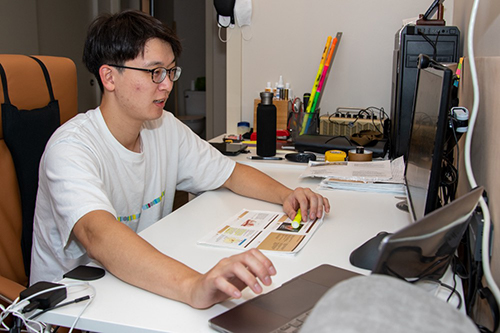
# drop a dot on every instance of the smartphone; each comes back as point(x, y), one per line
point(230, 149)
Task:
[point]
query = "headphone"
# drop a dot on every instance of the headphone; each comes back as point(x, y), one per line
point(425, 61)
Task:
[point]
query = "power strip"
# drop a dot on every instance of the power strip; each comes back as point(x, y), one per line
point(346, 124)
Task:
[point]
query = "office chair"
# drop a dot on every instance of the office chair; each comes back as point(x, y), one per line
point(23, 134)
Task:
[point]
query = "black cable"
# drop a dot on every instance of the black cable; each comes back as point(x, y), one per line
point(76, 300)
point(433, 44)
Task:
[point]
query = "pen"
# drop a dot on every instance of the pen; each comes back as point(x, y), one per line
point(314, 163)
point(264, 158)
point(296, 221)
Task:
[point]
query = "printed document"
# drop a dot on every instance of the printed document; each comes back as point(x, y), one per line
point(264, 230)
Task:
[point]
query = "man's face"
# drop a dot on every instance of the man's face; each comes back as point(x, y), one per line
point(137, 95)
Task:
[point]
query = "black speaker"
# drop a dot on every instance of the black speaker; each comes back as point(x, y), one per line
point(440, 43)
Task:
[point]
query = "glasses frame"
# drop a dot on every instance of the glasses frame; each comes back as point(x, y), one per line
point(152, 71)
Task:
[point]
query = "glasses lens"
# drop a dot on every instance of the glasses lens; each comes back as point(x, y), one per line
point(159, 74)
point(174, 73)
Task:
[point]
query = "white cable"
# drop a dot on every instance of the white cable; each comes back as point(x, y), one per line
point(84, 308)
point(17, 305)
point(468, 167)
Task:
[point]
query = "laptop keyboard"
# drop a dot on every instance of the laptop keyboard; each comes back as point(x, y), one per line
point(294, 324)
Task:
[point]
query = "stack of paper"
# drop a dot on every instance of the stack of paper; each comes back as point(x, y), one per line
point(376, 176)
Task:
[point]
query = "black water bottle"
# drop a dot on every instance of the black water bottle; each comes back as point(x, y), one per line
point(266, 125)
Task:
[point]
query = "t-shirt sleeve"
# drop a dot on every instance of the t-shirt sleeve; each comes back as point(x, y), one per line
point(70, 173)
point(201, 167)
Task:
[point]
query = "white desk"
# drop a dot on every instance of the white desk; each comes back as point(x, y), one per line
point(119, 307)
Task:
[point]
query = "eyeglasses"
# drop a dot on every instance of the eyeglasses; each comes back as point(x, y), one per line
point(158, 74)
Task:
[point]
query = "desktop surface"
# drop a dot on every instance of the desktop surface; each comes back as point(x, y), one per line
point(354, 218)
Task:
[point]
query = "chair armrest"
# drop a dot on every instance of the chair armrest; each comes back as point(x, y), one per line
point(9, 290)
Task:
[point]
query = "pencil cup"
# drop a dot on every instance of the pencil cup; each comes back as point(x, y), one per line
point(307, 120)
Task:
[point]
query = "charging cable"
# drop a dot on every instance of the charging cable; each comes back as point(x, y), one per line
point(19, 308)
point(468, 167)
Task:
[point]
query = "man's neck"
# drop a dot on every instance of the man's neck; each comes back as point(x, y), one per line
point(124, 129)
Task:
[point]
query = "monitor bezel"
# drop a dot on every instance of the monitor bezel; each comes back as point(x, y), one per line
point(433, 186)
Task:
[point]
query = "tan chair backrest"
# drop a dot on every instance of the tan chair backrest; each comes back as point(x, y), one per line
point(27, 90)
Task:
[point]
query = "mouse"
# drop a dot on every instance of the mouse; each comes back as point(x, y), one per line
point(366, 255)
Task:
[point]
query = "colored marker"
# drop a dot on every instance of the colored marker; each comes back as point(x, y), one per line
point(323, 75)
point(296, 221)
point(316, 83)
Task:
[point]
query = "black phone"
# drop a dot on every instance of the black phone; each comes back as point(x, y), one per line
point(230, 149)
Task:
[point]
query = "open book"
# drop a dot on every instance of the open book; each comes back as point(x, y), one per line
point(267, 231)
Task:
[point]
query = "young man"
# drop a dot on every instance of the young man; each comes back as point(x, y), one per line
point(113, 171)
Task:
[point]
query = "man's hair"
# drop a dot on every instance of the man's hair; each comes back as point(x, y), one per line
point(117, 38)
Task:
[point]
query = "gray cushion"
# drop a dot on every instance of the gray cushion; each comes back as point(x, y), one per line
point(379, 303)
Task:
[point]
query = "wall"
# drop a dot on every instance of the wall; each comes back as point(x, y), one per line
point(485, 155)
point(288, 37)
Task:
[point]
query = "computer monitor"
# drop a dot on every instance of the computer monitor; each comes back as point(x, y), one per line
point(425, 152)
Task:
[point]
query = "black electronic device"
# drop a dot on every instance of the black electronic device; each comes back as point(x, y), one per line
point(322, 143)
point(300, 157)
point(44, 300)
point(230, 149)
point(440, 43)
point(432, 106)
point(425, 249)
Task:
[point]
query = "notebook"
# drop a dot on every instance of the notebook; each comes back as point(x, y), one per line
point(434, 237)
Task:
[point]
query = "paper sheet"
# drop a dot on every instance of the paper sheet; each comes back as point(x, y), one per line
point(267, 231)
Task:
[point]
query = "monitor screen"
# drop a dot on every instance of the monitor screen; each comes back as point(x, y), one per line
point(430, 110)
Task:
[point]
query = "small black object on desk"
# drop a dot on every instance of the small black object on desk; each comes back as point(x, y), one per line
point(300, 157)
point(323, 143)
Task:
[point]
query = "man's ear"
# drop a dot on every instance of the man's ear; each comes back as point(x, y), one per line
point(107, 77)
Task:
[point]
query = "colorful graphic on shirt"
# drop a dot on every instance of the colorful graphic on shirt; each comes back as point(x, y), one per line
point(144, 207)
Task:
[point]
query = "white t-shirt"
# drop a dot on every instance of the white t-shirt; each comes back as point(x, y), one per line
point(84, 168)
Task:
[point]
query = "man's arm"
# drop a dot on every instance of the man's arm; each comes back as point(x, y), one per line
point(250, 182)
point(129, 257)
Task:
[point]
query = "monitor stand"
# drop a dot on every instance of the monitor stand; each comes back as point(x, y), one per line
point(403, 205)
point(366, 256)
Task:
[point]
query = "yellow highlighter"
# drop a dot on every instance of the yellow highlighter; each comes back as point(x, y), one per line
point(296, 221)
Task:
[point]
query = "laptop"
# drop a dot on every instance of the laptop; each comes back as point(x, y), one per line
point(422, 248)
point(293, 300)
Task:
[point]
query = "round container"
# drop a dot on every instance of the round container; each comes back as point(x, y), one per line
point(335, 156)
point(243, 127)
point(360, 154)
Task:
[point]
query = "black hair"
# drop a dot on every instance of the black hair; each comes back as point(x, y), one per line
point(117, 38)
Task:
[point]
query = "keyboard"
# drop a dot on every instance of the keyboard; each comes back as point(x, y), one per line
point(294, 324)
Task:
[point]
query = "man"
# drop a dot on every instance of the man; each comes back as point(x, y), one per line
point(113, 171)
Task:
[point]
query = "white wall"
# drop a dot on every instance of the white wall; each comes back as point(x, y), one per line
point(289, 37)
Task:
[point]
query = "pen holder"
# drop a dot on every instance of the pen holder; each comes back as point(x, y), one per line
point(297, 121)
